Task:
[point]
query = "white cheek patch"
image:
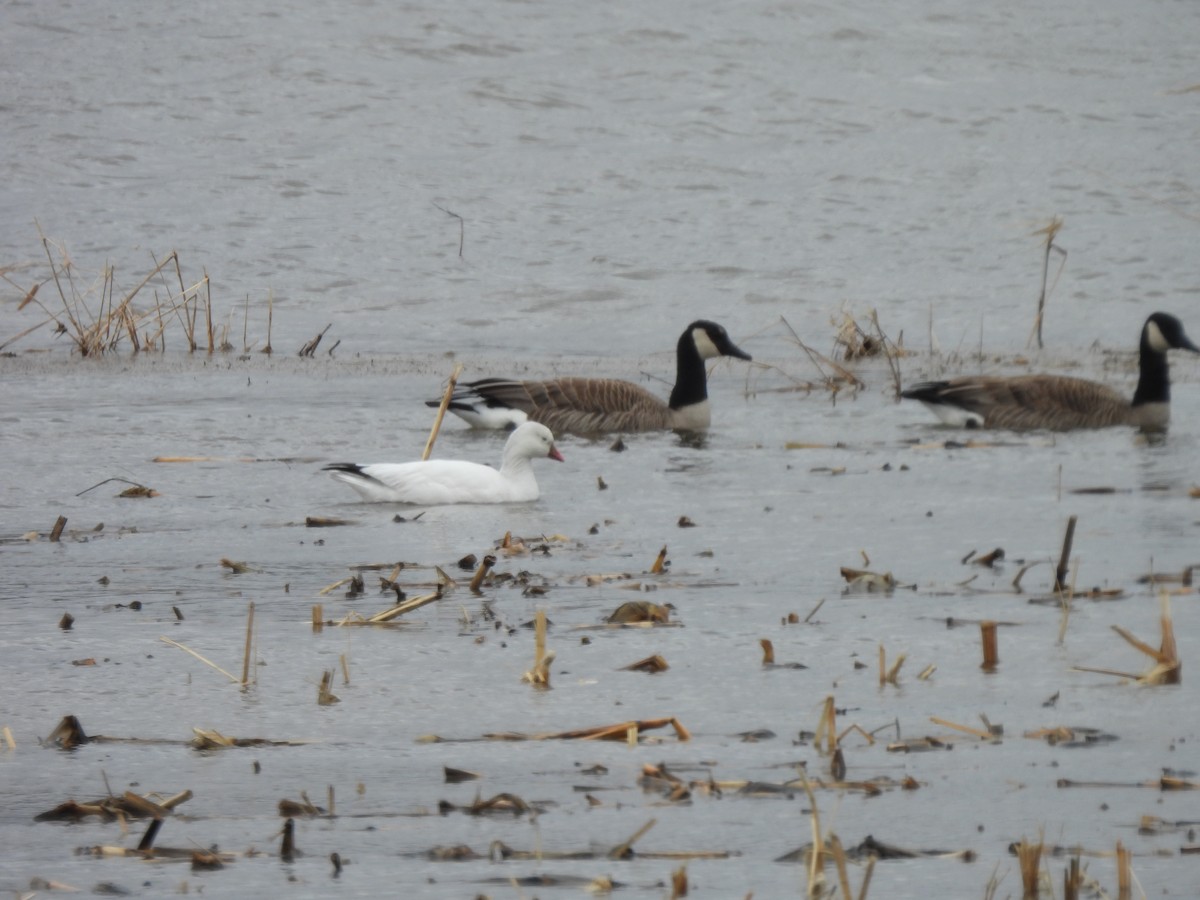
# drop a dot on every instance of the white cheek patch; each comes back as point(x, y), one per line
point(704, 345)
point(1154, 337)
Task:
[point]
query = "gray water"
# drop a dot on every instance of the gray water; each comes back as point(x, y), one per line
point(620, 171)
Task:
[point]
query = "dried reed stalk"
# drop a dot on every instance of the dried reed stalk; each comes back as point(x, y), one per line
point(207, 662)
point(1050, 231)
point(1029, 858)
point(539, 675)
point(441, 412)
point(407, 606)
point(1124, 872)
point(816, 857)
point(270, 318)
point(965, 729)
point(249, 641)
point(624, 850)
point(827, 727)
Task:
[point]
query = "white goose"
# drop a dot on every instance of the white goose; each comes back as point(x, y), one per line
point(437, 481)
point(597, 405)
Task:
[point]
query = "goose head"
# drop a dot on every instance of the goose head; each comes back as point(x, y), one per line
point(711, 340)
point(531, 440)
point(1164, 332)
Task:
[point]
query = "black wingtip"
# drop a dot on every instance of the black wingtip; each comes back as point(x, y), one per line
point(350, 468)
point(926, 391)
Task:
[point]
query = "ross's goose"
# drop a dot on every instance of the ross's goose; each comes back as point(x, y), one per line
point(438, 481)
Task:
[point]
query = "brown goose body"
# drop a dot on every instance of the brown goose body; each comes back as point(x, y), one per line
point(591, 405)
point(599, 405)
point(1028, 402)
point(1059, 402)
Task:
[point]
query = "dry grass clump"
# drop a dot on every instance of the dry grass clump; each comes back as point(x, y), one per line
point(98, 318)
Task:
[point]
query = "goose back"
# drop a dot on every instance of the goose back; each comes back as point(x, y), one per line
point(579, 405)
point(1025, 402)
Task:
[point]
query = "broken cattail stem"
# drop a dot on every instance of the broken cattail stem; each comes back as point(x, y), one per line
point(1060, 574)
point(329, 802)
point(882, 666)
point(318, 617)
point(345, 669)
point(837, 767)
point(660, 562)
point(208, 320)
point(481, 573)
point(57, 530)
point(680, 731)
point(441, 413)
point(1072, 880)
point(287, 850)
point(249, 642)
point(539, 675)
point(270, 315)
point(325, 695)
point(768, 649)
point(1124, 872)
point(146, 844)
point(679, 883)
point(991, 654)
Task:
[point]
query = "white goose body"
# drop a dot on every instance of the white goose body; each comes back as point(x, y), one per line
point(436, 482)
point(1059, 402)
point(598, 405)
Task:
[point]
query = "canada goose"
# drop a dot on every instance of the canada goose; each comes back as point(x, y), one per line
point(437, 481)
point(594, 405)
point(1060, 403)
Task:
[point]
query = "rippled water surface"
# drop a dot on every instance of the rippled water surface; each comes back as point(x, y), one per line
point(619, 170)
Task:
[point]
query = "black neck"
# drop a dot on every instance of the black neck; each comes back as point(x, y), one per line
point(691, 381)
point(1154, 384)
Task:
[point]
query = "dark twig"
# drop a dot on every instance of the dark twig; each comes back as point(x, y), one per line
point(461, 227)
point(1060, 574)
